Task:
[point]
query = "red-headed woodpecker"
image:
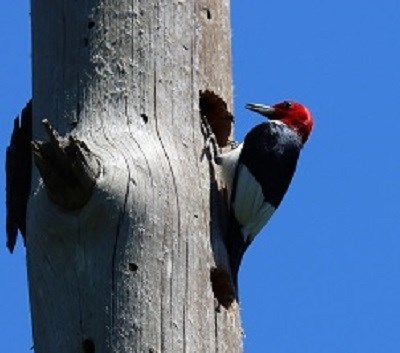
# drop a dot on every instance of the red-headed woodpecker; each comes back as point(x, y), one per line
point(260, 170)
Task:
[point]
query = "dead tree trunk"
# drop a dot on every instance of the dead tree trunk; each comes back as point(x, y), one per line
point(122, 254)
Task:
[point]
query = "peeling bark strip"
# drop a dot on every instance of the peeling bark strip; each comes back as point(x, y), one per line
point(18, 176)
point(69, 170)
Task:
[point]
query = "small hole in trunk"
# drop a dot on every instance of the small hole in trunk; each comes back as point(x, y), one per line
point(215, 110)
point(88, 346)
point(144, 117)
point(133, 267)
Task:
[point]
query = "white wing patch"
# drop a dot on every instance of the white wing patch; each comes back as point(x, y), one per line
point(250, 208)
point(229, 162)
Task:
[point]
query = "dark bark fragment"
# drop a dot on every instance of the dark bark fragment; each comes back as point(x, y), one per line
point(222, 287)
point(18, 176)
point(68, 168)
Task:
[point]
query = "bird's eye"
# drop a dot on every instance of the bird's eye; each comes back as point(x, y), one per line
point(287, 104)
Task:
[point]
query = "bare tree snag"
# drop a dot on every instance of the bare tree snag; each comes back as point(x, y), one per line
point(125, 223)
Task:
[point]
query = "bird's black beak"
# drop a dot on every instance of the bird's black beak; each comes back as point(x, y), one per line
point(265, 110)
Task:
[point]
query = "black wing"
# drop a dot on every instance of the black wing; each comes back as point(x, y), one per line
point(18, 176)
point(270, 152)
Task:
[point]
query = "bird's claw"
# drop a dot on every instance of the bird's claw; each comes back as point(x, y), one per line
point(234, 144)
point(211, 144)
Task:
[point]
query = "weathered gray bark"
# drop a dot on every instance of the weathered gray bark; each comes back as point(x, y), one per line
point(129, 271)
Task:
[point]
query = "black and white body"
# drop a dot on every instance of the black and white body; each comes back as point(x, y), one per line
point(261, 170)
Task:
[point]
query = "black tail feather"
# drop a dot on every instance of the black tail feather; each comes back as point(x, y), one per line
point(236, 247)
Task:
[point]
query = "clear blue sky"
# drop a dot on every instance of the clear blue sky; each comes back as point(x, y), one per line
point(324, 276)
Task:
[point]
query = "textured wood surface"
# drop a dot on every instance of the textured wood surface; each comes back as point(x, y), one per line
point(131, 270)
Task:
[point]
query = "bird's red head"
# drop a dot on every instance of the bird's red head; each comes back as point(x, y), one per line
point(292, 114)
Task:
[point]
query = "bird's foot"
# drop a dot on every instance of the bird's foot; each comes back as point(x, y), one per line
point(211, 144)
